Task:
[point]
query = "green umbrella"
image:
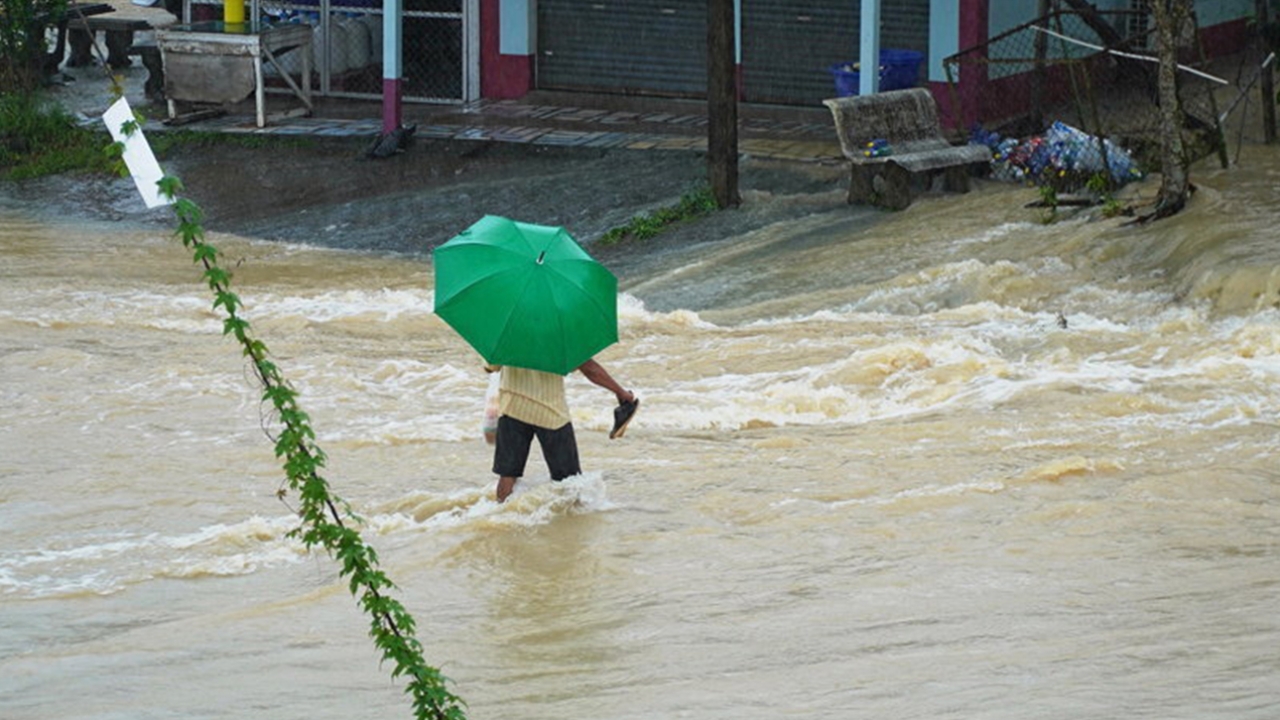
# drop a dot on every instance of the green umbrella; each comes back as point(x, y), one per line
point(526, 295)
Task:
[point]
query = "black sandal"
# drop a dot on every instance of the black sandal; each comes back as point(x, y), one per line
point(622, 417)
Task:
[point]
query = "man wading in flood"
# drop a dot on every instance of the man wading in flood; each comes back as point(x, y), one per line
point(532, 403)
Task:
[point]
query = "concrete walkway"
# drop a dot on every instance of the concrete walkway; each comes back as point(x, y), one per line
point(523, 122)
point(561, 119)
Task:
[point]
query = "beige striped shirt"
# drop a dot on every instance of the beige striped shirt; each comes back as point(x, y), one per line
point(534, 397)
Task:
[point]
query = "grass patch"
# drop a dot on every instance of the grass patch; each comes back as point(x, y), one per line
point(39, 138)
point(695, 203)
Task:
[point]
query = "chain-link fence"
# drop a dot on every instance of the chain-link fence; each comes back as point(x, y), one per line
point(1071, 97)
point(347, 46)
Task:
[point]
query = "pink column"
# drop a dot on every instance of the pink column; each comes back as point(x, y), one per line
point(974, 29)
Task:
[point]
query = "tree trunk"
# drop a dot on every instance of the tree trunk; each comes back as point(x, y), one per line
point(1175, 186)
point(722, 105)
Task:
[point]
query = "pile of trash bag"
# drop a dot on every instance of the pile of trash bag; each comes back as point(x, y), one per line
point(1064, 157)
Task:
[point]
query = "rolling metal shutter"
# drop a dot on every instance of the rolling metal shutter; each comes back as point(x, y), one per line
point(623, 46)
point(787, 46)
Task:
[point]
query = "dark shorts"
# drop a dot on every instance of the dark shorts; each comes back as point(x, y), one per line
point(511, 451)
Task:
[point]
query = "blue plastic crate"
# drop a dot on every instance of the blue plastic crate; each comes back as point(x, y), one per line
point(899, 69)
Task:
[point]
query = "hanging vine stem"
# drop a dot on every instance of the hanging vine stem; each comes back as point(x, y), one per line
point(326, 519)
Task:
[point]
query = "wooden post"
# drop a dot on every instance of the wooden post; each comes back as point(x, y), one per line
point(722, 104)
point(1039, 78)
point(1266, 86)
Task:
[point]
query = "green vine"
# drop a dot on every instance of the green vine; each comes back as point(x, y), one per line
point(327, 520)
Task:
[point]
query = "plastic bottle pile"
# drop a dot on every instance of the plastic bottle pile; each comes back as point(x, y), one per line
point(1064, 157)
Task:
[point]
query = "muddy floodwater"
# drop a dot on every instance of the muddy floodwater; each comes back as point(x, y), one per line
point(945, 463)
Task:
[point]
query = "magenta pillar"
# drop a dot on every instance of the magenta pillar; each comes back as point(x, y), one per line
point(392, 64)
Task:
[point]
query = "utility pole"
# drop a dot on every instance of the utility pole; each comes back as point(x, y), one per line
point(722, 104)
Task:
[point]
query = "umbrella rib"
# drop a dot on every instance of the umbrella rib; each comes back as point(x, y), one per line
point(594, 300)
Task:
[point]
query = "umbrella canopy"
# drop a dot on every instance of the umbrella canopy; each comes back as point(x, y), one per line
point(526, 295)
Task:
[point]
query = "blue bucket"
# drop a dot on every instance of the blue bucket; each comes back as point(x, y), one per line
point(847, 79)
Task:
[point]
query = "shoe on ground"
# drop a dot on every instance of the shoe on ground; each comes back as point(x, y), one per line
point(622, 417)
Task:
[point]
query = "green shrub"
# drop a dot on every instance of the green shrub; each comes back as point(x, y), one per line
point(22, 41)
point(692, 204)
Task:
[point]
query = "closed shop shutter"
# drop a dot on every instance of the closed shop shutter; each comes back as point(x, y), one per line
point(622, 46)
point(788, 46)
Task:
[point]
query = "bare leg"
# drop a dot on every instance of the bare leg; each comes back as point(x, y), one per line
point(506, 484)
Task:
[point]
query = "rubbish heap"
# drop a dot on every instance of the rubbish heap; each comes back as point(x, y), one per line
point(1063, 157)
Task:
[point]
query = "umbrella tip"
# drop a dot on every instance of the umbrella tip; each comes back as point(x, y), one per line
point(541, 256)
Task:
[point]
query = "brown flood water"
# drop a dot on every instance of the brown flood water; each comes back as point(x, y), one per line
point(872, 477)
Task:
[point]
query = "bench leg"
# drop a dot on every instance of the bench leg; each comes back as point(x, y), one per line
point(79, 41)
point(118, 44)
point(956, 179)
point(154, 63)
point(892, 186)
point(860, 190)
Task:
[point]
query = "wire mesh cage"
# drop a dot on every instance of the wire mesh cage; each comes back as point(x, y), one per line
point(1071, 98)
point(346, 52)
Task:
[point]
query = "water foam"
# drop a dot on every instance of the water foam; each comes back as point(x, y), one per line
point(110, 563)
point(536, 501)
point(371, 305)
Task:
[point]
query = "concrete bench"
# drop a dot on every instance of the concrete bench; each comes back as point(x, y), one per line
point(119, 32)
point(905, 123)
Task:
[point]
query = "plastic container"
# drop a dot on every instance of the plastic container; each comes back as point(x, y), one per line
point(356, 48)
point(331, 46)
point(898, 69)
point(847, 79)
point(374, 25)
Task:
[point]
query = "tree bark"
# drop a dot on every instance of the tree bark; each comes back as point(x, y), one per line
point(722, 105)
point(1169, 16)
